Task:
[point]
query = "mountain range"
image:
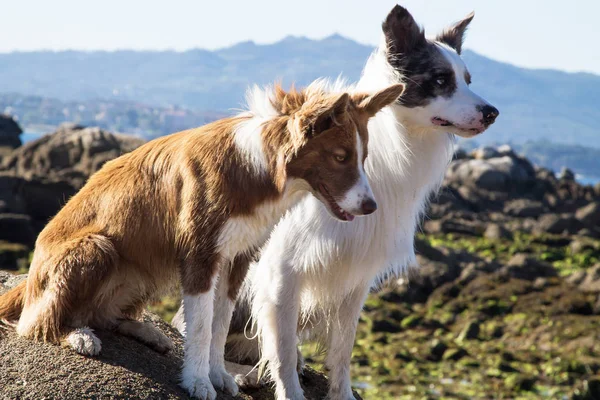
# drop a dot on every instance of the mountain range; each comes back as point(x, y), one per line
point(546, 105)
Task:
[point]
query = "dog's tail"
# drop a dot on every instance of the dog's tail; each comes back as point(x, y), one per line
point(11, 304)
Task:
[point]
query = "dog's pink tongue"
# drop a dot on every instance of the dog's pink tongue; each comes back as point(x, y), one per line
point(349, 217)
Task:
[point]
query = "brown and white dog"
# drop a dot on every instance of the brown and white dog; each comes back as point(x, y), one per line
point(183, 206)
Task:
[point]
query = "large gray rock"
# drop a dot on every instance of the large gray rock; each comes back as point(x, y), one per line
point(70, 154)
point(590, 214)
point(9, 132)
point(501, 173)
point(557, 224)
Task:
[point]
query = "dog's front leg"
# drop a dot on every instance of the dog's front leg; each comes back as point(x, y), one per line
point(224, 305)
point(341, 340)
point(275, 310)
point(198, 315)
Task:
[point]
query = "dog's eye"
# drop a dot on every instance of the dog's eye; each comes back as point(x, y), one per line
point(440, 81)
point(340, 157)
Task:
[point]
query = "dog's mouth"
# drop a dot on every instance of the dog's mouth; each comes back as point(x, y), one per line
point(333, 206)
point(444, 122)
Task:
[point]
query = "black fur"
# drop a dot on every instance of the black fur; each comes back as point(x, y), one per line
point(427, 73)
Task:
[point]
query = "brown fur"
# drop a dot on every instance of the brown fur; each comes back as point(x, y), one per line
point(11, 303)
point(156, 213)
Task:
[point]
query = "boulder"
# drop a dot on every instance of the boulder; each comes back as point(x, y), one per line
point(496, 231)
point(557, 224)
point(591, 280)
point(523, 266)
point(485, 153)
point(524, 208)
point(502, 173)
point(566, 175)
point(124, 369)
point(9, 132)
point(590, 214)
point(71, 154)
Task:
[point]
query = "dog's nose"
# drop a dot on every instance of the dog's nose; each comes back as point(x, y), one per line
point(368, 206)
point(490, 113)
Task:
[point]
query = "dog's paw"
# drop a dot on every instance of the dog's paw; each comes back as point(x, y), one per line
point(222, 380)
point(161, 343)
point(199, 387)
point(246, 376)
point(84, 341)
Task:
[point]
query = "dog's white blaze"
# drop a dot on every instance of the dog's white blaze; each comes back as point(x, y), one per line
point(361, 190)
point(462, 109)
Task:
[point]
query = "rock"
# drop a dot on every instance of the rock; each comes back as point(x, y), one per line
point(591, 281)
point(557, 224)
point(576, 277)
point(590, 390)
point(485, 153)
point(124, 369)
point(71, 154)
point(455, 354)
point(524, 208)
point(383, 325)
point(16, 228)
point(437, 349)
point(566, 175)
point(38, 199)
point(590, 214)
point(424, 280)
point(506, 150)
point(411, 321)
point(495, 232)
point(523, 266)
point(449, 224)
point(581, 244)
point(503, 173)
point(469, 332)
point(13, 256)
point(9, 132)
point(460, 154)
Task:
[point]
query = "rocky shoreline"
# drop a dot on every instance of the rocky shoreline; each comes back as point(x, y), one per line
point(505, 304)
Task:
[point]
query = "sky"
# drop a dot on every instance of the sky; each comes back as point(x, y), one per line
point(530, 33)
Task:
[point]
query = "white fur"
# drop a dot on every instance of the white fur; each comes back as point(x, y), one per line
point(248, 140)
point(322, 269)
point(223, 310)
point(198, 314)
point(239, 235)
point(84, 341)
point(361, 190)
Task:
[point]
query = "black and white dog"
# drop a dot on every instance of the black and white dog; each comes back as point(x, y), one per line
point(315, 272)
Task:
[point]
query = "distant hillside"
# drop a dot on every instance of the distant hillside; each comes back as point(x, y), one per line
point(534, 104)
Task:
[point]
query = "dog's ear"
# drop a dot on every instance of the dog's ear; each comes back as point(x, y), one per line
point(401, 31)
point(373, 103)
point(332, 113)
point(454, 35)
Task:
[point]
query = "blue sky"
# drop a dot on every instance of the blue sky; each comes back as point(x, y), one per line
point(532, 33)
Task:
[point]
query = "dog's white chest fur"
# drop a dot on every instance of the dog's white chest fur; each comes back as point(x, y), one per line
point(241, 234)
